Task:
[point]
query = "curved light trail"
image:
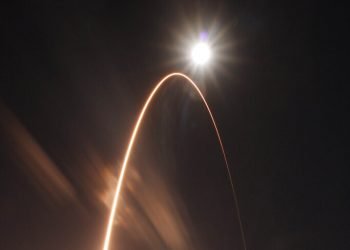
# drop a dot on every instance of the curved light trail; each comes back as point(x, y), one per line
point(131, 144)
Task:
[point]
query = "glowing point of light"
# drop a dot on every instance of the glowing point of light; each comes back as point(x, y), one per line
point(201, 53)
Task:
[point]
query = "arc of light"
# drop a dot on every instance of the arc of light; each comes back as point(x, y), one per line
point(131, 144)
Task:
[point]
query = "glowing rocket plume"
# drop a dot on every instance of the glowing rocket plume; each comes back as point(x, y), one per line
point(131, 144)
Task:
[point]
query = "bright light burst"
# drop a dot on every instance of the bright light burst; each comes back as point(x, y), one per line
point(203, 48)
point(201, 53)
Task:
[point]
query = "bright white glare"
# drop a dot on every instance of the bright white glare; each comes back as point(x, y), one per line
point(201, 53)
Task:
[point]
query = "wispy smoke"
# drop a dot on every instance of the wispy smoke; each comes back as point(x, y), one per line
point(153, 214)
point(33, 160)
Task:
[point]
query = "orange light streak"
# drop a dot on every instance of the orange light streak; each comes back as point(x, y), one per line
point(131, 144)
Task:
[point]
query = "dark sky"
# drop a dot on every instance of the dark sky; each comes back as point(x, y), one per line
point(76, 74)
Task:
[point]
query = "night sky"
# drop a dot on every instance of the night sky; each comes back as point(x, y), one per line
point(76, 75)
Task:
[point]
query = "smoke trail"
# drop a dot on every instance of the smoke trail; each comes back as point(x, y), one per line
point(131, 144)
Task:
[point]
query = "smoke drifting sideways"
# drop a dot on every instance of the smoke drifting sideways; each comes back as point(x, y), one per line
point(151, 216)
point(33, 160)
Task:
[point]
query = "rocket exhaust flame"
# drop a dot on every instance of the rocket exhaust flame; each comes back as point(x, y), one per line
point(131, 144)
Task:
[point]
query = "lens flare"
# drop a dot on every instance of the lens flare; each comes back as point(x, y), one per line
point(201, 53)
point(131, 144)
